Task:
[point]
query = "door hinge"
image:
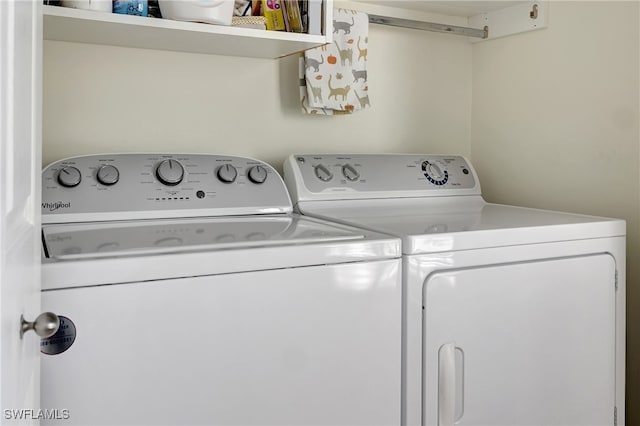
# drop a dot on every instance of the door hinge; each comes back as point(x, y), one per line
point(616, 279)
point(615, 416)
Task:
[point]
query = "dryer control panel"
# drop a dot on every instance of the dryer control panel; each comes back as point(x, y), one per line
point(341, 176)
point(151, 186)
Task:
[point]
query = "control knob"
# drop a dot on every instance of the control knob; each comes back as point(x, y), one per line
point(170, 172)
point(350, 172)
point(108, 175)
point(257, 174)
point(69, 176)
point(434, 173)
point(323, 173)
point(227, 173)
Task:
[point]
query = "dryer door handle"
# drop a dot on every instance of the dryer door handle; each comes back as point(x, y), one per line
point(447, 384)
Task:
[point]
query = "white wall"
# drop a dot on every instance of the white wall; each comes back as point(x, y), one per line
point(108, 99)
point(555, 124)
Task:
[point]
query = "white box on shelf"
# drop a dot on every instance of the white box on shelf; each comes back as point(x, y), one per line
point(217, 12)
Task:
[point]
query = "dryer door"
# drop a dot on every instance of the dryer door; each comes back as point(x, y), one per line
point(521, 344)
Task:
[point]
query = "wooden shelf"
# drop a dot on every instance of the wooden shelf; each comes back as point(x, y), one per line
point(87, 26)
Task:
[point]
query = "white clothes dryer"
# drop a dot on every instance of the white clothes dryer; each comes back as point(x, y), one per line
point(511, 316)
point(189, 293)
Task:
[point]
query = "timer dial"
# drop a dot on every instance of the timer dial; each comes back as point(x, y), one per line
point(227, 173)
point(170, 172)
point(257, 174)
point(108, 175)
point(69, 176)
point(435, 173)
point(323, 173)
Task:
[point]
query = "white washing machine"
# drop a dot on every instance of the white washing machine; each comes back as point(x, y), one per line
point(512, 316)
point(189, 293)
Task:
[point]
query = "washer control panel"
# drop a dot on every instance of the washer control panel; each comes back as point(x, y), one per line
point(122, 186)
point(379, 175)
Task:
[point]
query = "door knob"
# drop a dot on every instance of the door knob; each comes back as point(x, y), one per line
point(45, 325)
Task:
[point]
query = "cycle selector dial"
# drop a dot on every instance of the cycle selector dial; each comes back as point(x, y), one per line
point(257, 174)
point(227, 173)
point(435, 173)
point(69, 177)
point(323, 173)
point(170, 172)
point(350, 172)
point(108, 175)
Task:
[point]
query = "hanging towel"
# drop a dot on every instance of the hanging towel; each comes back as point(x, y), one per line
point(333, 78)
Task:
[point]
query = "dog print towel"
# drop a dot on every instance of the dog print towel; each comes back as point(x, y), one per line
point(333, 78)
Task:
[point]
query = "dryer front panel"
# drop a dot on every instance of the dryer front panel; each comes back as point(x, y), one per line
point(520, 344)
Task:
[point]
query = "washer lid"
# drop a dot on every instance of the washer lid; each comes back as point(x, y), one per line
point(86, 254)
point(462, 223)
point(129, 238)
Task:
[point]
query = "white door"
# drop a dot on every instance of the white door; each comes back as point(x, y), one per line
point(20, 127)
point(530, 343)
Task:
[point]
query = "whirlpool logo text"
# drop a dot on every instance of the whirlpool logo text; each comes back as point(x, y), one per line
point(55, 206)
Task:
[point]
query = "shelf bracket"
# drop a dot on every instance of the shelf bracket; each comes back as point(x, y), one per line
point(519, 18)
point(430, 26)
